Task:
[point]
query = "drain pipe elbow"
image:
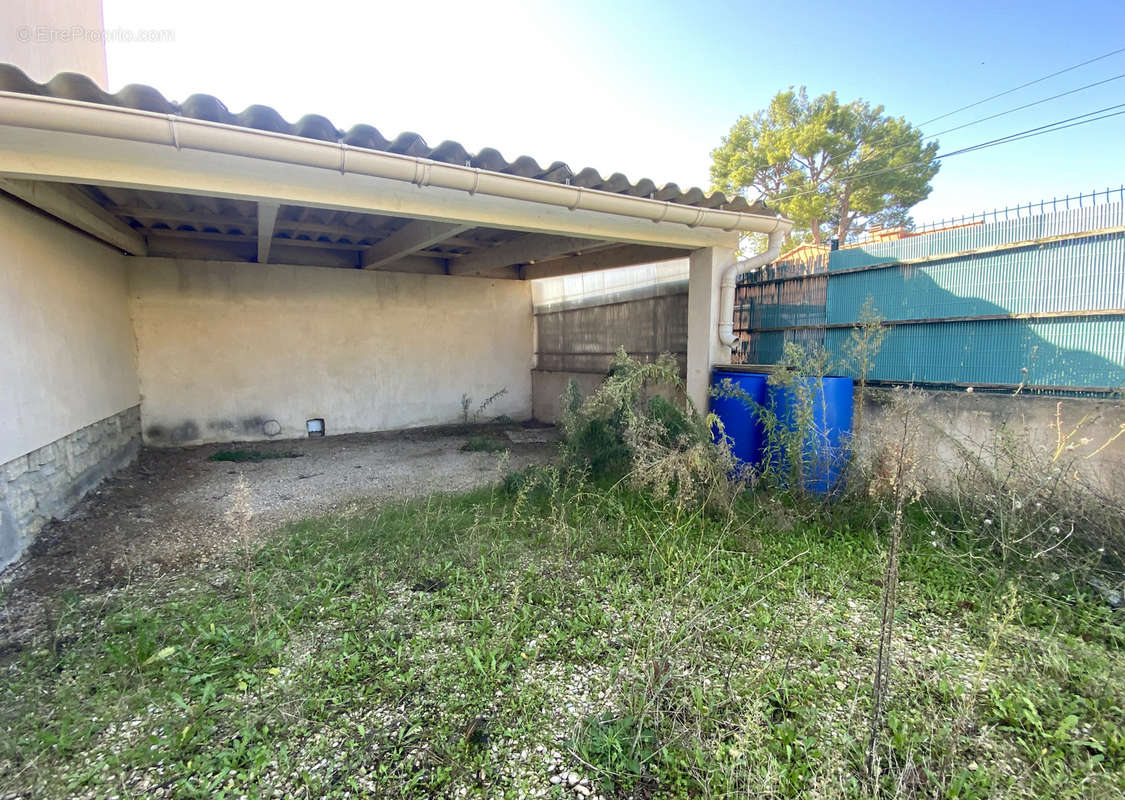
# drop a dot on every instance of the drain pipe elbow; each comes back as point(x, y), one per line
point(730, 278)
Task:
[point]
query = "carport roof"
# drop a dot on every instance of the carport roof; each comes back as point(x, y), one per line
point(205, 107)
point(154, 178)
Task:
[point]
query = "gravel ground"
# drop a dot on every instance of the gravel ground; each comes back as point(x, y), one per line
point(166, 512)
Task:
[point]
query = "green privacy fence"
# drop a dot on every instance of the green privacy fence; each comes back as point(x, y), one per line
point(1037, 301)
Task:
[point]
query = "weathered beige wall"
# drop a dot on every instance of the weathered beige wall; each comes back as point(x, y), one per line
point(227, 349)
point(69, 355)
point(953, 424)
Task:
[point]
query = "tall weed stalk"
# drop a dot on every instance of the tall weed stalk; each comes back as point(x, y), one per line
point(897, 486)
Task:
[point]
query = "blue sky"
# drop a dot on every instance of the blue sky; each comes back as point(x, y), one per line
point(648, 88)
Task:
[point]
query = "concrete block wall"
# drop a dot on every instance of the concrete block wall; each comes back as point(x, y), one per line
point(583, 337)
point(576, 340)
point(50, 480)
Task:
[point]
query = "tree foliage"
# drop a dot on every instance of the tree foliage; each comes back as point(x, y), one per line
point(832, 168)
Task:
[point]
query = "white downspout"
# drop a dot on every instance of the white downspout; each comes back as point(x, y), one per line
point(730, 278)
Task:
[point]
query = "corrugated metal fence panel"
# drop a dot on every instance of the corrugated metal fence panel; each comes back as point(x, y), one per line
point(779, 305)
point(1078, 275)
point(1075, 275)
point(970, 237)
point(1079, 353)
point(766, 347)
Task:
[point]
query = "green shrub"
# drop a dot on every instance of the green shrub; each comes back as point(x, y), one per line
point(659, 446)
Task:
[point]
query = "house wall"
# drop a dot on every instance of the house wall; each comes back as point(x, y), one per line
point(233, 351)
point(68, 412)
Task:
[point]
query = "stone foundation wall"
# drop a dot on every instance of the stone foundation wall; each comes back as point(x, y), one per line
point(49, 482)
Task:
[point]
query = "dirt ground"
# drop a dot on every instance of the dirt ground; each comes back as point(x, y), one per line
point(166, 511)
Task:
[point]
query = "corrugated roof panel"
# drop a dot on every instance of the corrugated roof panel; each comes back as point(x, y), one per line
point(72, 86)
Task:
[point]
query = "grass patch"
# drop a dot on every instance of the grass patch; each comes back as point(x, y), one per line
point(239, 456)
point(486, 443)
point(510, 641)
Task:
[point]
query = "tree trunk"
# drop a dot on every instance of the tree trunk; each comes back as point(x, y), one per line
point(845, 222)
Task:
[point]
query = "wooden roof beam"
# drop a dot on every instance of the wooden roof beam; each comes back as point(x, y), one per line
point(524, 250)
point(267, 217)
point(414, 236)
point(627, 255)
point(74, 207)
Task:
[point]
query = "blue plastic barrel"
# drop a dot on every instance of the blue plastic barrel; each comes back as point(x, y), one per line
point(739, 414)
point(827, 443)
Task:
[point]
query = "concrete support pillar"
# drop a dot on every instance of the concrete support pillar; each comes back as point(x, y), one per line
point(704, 347)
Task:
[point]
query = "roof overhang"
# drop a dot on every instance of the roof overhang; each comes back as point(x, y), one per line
point(45, 139)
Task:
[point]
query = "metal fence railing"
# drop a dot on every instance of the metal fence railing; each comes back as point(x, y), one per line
point(1022, 210)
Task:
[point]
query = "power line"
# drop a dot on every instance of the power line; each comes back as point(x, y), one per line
point(1026, 105)
point(1022, 86)
point(995, 116)
point(991, 116)
point(1051, 127)
point(1016, 138)
point(1036, 131)
point(1010, 110)
point(1058, 125)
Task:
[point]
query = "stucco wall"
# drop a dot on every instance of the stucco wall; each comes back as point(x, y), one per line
point(68, 381)
point(69, 355)
point(227, 350)
point(955, 423)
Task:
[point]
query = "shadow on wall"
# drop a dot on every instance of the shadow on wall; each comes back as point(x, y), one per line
point(1079, 352)
point(189, 431)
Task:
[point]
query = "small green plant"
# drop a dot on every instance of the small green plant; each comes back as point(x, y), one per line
point(797, 453)
point(470, 417)
point(860, 350)
point(252, 456)
point(486, 443)
point(899, 486)
point(620, 748)
point(1040, 505)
